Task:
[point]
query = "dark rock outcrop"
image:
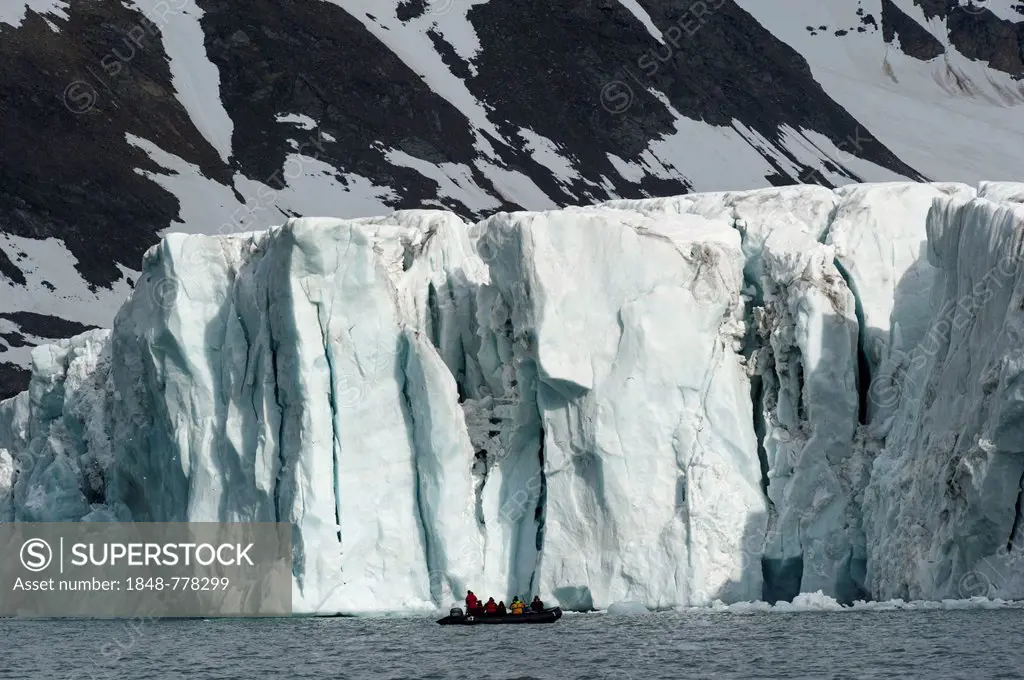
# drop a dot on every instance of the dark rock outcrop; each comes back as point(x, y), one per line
point(914, 39)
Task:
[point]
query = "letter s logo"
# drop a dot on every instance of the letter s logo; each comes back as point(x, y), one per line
point(36, 554)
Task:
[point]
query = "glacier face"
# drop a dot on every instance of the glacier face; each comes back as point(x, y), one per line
point(944, 502)
point(732, 396)
point(649, 467)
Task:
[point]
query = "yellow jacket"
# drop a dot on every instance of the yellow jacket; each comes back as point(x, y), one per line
point(517, 608)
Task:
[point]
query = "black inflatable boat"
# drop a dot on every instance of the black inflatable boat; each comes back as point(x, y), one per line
point(458, 618)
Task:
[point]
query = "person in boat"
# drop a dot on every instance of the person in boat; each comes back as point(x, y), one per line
point(502, 609)
point(491, 608)
point(517, 606)
point(537, 605)
point(472, 602)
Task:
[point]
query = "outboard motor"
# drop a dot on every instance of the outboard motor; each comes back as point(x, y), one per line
point(455, 611)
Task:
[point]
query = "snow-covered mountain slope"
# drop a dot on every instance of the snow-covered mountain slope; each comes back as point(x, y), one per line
point(731, 395)
point(935, 89)
point(122, 120)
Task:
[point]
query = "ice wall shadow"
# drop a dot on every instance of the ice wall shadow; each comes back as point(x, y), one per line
point(239, 396)
point(256, 394)
point(837, 468)
point(815, 467)
point(749, 584)
point(427, 485)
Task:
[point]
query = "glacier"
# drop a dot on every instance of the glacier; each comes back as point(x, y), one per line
point(716, 397)
point(944, 501)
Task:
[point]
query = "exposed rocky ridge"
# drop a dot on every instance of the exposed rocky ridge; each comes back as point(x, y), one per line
point(913, 38)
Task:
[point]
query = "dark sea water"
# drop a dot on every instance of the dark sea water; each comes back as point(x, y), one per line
point(973, 643)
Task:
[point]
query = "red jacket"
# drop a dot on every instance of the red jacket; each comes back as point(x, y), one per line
point(472, 602)
point(490, 607)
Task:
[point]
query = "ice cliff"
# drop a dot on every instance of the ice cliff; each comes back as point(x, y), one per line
point(955, 444)
point(732, 396)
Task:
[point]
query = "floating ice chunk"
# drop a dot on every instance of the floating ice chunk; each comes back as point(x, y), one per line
point(627, 608)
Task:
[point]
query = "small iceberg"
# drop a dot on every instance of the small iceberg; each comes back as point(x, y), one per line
point(627, 608)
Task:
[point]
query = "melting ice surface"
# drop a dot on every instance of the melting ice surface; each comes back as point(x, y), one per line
point(644, 404)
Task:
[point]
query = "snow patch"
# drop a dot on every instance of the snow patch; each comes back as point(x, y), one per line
point(644, 18)
point(454, 180)
point(711, 158)
point(54, 287)
point(631, 172)
point(14, 12)
point(204, 204)
point(545, 152)
point(301, 121)
point(304, 184)
point(194, 77)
